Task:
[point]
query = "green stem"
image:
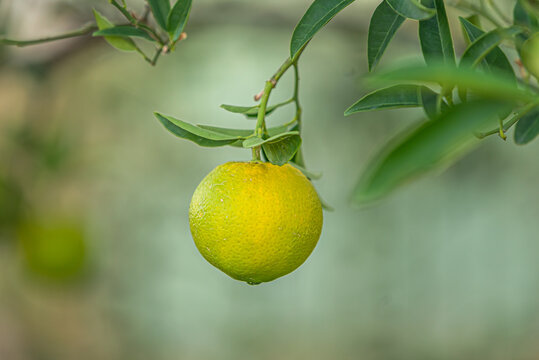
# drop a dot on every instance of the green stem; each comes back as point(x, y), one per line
point(85, 30)
point(296, 96)
point(505, 127)
point(158, 52)
point(270, 84)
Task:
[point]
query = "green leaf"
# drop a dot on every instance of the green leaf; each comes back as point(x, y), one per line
point(244, 133)
point(523, 18)
point(252, 111)
point(117, 42)
point(177, 18)
point(392, 97)
point(318, 15)
point(433, 145)
point(196, 134)
point(256, 141)
point(384, 24)
point(486, 43)
point(282, 149)
point(411, 9)
point(496, 59)
point(488, 85)
point(432, 103)
point(435, 35)
point(527, 127)
point(160, 10)
point(124, 31)
point(309, 174)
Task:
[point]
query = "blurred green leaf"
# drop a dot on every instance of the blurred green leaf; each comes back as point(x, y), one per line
point(527, 127)
point(196, 134)
point(160, 10)
point(252, 111)
point(177, 18)
point(309, 174)
point(522, 17)
point(486, 43)
point(432, 145)
point(411, 9)
point(496, 59)
point(488, 85)
point(392, 97)
point(124, 31)
point(435, 35)
point(282, 149)
point(256, 141)
point(318, 15)
point(118, 42)
point(383, 25)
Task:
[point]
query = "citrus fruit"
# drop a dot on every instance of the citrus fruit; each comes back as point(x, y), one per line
point(255, 221)
point(530, 54)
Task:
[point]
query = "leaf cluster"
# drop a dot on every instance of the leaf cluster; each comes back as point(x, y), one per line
point(170, 23)
point(464, 98)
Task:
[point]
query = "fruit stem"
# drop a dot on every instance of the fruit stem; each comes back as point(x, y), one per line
point(269, 86)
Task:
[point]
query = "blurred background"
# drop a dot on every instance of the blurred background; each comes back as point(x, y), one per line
point(96, 258)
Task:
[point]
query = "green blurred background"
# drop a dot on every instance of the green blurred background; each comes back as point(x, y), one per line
point(96, 258)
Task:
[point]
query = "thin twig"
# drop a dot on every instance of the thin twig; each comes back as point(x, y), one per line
point(85, 30)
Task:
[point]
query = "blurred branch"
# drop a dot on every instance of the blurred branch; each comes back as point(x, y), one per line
point(85, 30)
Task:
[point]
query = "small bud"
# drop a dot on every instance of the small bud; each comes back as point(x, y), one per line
point(259, 95)
point(183, 36)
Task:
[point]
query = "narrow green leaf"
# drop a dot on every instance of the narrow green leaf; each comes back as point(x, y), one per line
point(523, 18)
point(411, 9)
point(496, 59)
point(177, 18)
point(432, 103)
point(435, 35)
point(252, 111)
point(282, 149)
point(124, 31)
point(384, 24)
point(486, 43)
point(392, 97)
point(196, 134)
point(120, 43)
point(318, 15)
point(527, 127)
point(488, 85)
point(272, 131)
point(433, 145)
point(160, 10)
point(309, 174)
point(256, 141)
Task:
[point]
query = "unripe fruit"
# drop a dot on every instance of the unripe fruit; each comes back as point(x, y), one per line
point(255, 221)
point(530, 55)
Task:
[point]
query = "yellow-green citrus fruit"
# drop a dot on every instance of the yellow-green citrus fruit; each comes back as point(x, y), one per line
point(255, 221)
point(530, 55)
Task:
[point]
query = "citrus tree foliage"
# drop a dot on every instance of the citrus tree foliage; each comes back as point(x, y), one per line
point(465, 97)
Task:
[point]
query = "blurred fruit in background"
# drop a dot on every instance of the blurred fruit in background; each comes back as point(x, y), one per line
point(54, 249)
point(530, 54)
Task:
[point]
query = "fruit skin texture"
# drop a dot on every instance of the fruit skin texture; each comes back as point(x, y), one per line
point(530, 54)
point(255, 221)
